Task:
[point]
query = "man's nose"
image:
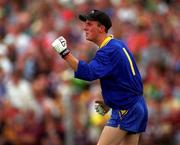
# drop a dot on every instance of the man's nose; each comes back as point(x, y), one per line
point(85, 27)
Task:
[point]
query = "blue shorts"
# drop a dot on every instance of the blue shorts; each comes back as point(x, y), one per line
point(133, 120)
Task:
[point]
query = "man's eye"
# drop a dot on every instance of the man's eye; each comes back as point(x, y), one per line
point(89, 24)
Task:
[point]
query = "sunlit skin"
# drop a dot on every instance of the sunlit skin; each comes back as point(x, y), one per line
point(95, 32)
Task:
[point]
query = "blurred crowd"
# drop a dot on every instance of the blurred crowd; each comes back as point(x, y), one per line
point(40, 101)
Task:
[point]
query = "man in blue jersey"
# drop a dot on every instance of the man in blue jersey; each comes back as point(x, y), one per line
point(121, 83)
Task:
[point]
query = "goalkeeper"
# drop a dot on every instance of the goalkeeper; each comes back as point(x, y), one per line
point(121, 83)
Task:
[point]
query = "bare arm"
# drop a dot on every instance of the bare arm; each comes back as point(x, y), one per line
point(72, 61)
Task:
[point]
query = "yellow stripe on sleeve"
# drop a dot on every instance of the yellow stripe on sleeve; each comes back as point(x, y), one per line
point(130, 61)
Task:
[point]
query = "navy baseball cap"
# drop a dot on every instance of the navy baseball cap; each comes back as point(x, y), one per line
point(99, 16)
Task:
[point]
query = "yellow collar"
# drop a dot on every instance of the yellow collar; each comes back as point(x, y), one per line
point(106, 40)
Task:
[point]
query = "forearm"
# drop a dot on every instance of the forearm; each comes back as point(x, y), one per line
point(72, 61)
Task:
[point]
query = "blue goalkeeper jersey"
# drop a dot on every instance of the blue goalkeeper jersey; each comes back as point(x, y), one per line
point(116, 68)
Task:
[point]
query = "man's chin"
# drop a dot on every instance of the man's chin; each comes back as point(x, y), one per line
point(89, 39)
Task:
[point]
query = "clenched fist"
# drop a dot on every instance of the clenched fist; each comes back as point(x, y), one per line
point(60, 46)
point(101, 107)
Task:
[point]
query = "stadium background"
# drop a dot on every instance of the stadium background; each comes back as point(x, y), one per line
point(41, 103)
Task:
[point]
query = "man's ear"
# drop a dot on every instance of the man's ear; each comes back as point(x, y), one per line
point(103, 28)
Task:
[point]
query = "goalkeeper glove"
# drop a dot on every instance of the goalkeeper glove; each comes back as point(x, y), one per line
point(60, 46)
point(101, 108)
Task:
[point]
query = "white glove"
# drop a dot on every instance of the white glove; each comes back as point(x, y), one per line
point(101, 108)
point(60, 46)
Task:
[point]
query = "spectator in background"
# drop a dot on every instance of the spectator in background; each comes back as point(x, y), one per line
point(3, 90)
point(19, 91)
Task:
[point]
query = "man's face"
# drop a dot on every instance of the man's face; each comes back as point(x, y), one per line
point(92, 30)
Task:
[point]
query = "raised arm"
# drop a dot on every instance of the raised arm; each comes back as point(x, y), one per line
point(60, 46)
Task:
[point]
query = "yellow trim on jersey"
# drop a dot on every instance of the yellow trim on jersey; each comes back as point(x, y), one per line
point(130, 61)
point(106, 40)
